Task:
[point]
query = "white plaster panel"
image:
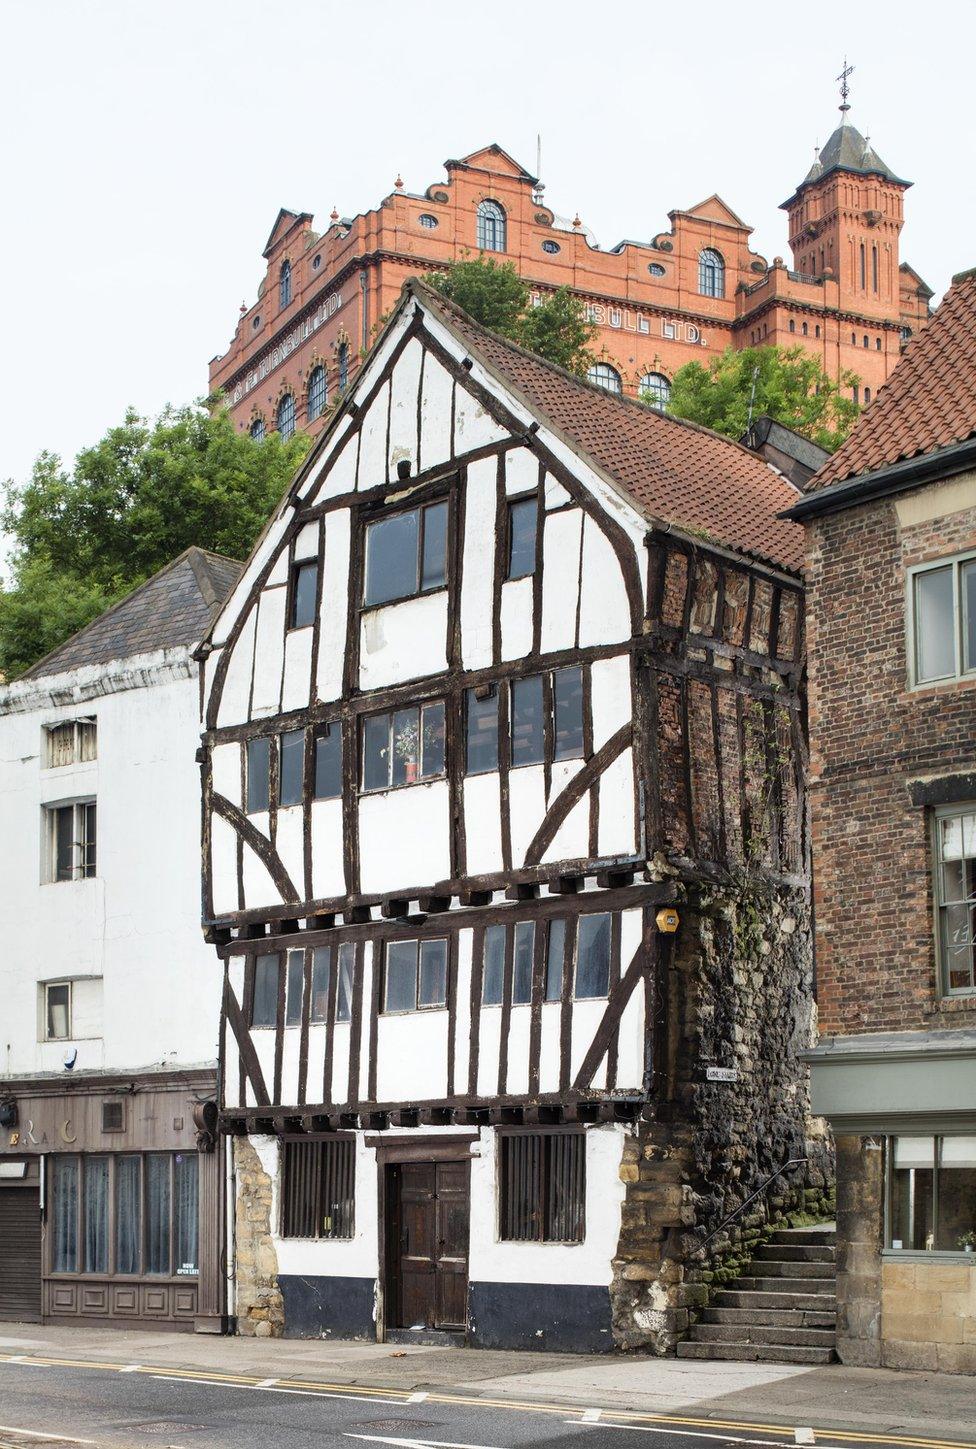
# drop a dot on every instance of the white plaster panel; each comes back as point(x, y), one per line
point(489, 1041)
point(404, 837)
point(232, 1059)
point(341, 477)
point(483, 823)
point(517, 1081)
point(290, 844)
point(372, 441)
point(405, 382)
point(340, 1061)
point(572, 840)
point(296, 684)
point(604, 614)
point(223, 856)
point(372, 962)
point(289, 1065)
point(521, 471)
point(332, 617)
point(225, 763)
point(269, 649)
point(473, 427)
point(435, 407)
point(314, 1092)
point(478, 564)
point(549, 1047)
point(279, 570)
point(328, 877)
point(555, 495)
point(616, 835)
point(589, 1262)
point(462, 1013)
point(307, 542)
point(611, 697)
point(411, 1056)
point(516, 618)
point(259, 888)
point(264, 1046)
point(560, 578)
point(403, 641)
point(236, 695)
point(527, 806)
point(587, 1016)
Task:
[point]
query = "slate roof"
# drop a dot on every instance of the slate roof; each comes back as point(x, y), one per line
point(848, 150)
point(174, 608)
point(674, 471)
point(928, 403)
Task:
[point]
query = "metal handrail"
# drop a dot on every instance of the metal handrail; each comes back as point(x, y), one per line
point(793, 1162)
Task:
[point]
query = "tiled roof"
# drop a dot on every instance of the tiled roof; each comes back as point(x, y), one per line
point(930, 400)
point(675, 471)
point(175, 607)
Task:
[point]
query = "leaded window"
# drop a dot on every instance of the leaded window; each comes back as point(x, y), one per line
point(655, 390)
point(317, 393)
point(711, 273)
point(285, 416)
point(491, 227)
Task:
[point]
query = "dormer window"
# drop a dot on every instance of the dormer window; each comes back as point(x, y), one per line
point(406, 554)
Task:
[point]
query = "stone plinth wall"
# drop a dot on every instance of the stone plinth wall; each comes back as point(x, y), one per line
point(259, 1307)
point(928, 1316)
point(860, 1218)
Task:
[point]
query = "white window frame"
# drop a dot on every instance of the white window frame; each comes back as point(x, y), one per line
point(77, 756)
point(959, 619)
point(50, 863)
point(944, 812)
point(45, 988)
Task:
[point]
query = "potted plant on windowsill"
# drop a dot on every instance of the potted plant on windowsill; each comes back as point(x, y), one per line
point(968, 1242)
point(407, 746)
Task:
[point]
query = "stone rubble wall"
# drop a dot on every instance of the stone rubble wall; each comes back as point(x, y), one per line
point(259, 1307)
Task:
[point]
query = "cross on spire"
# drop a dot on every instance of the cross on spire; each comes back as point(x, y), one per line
point(845, 89)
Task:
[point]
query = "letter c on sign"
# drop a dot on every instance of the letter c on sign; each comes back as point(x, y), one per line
point(66, 1134)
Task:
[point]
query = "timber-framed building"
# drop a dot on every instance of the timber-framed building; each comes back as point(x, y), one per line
point(504, 855)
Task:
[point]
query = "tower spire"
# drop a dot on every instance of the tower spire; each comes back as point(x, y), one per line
point(845, 89)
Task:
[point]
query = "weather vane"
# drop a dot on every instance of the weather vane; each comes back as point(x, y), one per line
point(845, 89)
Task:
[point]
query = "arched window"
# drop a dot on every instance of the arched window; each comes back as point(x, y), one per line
point(864, 270)
point(711, 273)
point(257, 430)
point(805, 330)
point(874, 269)
point(792, 325)
point(343, 360)
point(867, 396)
point(877, 344)
point(866, 341)
point(284, 285)
point(491, 227)
point(605, 376)
point(655, 390)
point(285, 416)
point(817, 330)
point(317, 393)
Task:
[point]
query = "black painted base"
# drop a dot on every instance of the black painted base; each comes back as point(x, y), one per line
point(328, 1307)
point(559, 1317)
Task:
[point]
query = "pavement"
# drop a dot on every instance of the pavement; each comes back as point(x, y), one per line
point(894, 1406)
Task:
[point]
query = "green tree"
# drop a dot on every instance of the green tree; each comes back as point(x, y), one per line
point(84, 537)
point(495, 295)
point(790, 385)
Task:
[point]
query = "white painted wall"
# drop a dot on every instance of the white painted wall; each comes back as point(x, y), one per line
point(149, 993)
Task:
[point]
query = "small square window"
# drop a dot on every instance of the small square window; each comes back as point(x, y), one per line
point(403, 747)
point(542, 1187)
point(304, 590)
point(415, 975)
point(406, 554)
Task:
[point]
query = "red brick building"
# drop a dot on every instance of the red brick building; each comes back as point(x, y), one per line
point(892, 644)
point(687, 293)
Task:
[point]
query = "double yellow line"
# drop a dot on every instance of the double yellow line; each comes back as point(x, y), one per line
point(404, 1396)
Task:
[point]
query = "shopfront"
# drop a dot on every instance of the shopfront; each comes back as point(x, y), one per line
point(123, 1217)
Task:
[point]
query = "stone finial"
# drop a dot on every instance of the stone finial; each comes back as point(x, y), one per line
point(398, 183)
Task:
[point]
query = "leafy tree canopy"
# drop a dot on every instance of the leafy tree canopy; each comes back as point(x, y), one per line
point(495, 295)
point(790, 385)
point(84, 537)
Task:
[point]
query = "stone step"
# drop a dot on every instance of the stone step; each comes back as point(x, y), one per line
point(764, 1333)
point(775, 1317)
point(811, 1236)
point(777, 1268)
point(777, 1283)
point(748, 1298)
point(797, 1252)
point(755, 1352)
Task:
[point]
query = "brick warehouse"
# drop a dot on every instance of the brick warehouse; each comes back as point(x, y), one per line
point(892, 609)
point(684, 294)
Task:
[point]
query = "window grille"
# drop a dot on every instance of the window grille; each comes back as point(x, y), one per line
point(285, 417)
point(318, 1193)
point(542, 1187)
point(75, 741)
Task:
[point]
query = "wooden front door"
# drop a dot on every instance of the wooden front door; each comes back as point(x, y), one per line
point(20, 1254)
point(428, 1246)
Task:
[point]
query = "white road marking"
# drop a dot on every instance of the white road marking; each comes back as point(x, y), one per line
point(804, 1436)
point(130, 1368)
point(676, 1431)
point(591, 1416)
point(416, 1443)
point(270, 1388)
point(418, 1397)
point(36, 1434)
point(266, 1384)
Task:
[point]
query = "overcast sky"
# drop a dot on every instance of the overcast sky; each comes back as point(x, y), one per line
point(148, 147)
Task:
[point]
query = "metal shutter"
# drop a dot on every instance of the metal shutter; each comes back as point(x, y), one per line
point(20, 1254)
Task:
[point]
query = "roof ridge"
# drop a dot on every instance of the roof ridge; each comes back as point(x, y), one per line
point(416, 284)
